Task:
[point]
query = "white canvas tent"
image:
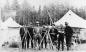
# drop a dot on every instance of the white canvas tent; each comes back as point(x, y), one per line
point(10, 23)
point(73, 20)
point(9, 34)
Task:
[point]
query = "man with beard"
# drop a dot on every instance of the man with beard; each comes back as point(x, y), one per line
point(37, 36)
point(68, 34)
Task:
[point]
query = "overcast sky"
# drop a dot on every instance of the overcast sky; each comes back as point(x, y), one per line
point(36, 3)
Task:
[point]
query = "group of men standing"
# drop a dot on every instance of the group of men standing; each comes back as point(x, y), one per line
point(39, 35)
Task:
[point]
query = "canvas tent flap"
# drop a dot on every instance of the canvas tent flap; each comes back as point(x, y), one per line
point(73, 20)
point(9, 35)
point(3, 36)
point(82, 34)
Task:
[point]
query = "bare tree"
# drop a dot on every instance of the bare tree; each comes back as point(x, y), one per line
point(24, 15)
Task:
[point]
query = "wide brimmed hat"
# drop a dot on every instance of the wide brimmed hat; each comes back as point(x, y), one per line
point(37, 22)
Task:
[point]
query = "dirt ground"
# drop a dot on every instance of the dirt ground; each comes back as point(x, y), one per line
point(78, 48)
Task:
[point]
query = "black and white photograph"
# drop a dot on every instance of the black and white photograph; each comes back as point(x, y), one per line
point(42, 25)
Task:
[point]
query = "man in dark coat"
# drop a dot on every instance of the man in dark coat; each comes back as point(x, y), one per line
point(22, 36)
point(44, 31)
point(31, 34)
point(61, 37)
point(27, 37)
point(68, 34)
point(53, 33)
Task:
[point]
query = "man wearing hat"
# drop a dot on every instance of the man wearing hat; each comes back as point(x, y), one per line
point(68, 34)
point(61, 37)
point(37, 32)
point(44, 31)
point(30, 35)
